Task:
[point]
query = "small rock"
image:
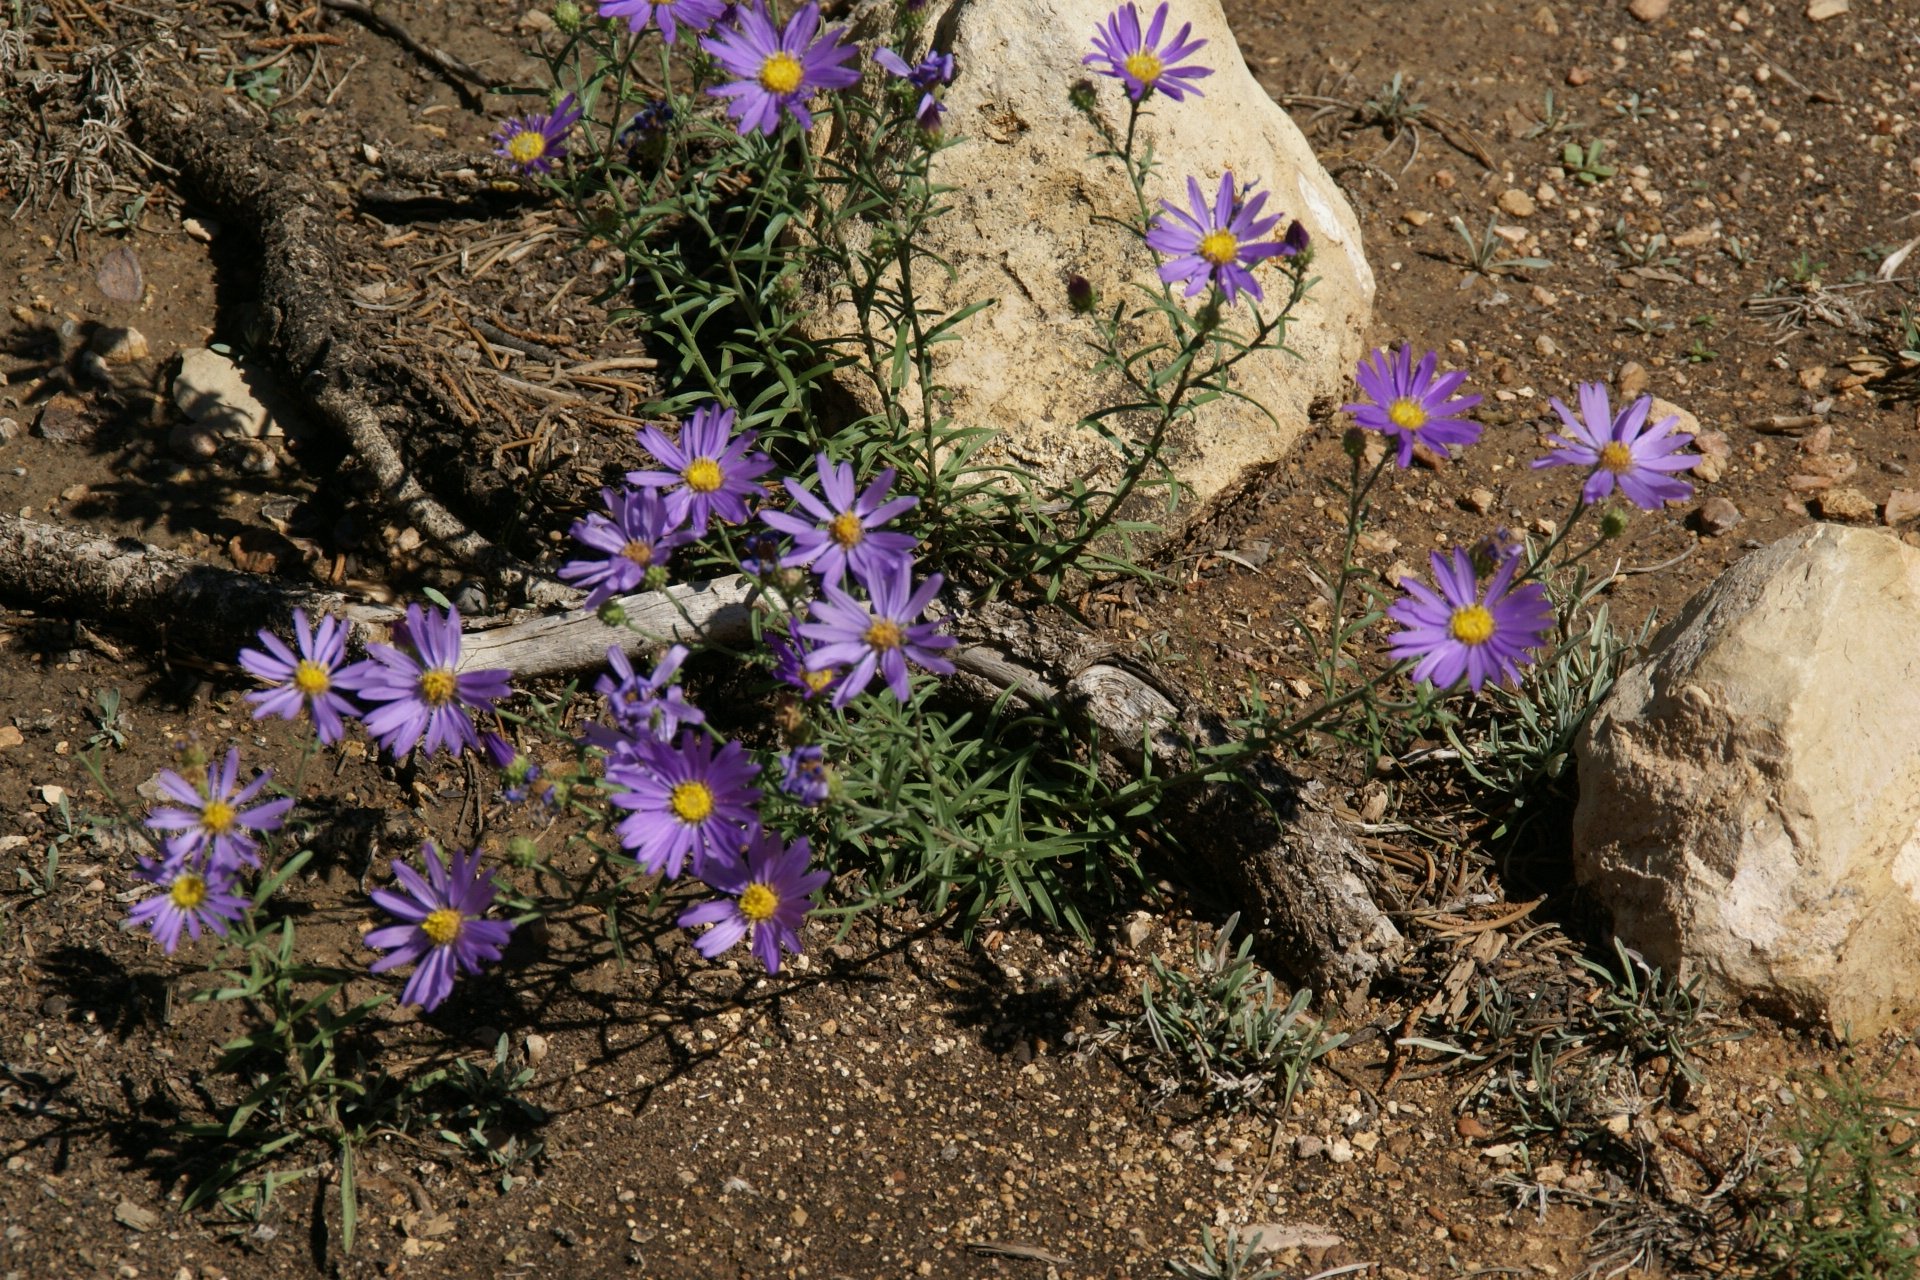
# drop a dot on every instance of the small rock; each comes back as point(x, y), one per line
point(9, 737)
point(1138, 930)
point(1846, 504)
point(1715, 516)
point(1340, 1151)
point(1517, 203)
point(64, 420)
point(1577, 76)
point(536, 1048)
point(201, 229)
point(256, 458)
point(119, 277)
point(1479, 501)
point(215, 392)
point(1902, 505)
point(193, 442)
point(1821, 10)
point(9, 428)
point(1471, 1128)
point(1306, 1146)
point(1650, 10)
point(138, 1217)
point(1664, 409)
point(1542, 297)
point(1631, 381)
point(1416, 217)
point(1545, 346)
point(1544, 22)
point(118, 345)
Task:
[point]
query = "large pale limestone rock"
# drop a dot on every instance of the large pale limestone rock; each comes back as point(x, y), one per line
point(1750, 794)
point(1031, 207)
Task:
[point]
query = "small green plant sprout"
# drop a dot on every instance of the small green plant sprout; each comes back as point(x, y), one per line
point(109, 726)
point(1584, 165)
point(1649, 252)
point(1804, 270)
point(1909, 333)
point(1393, 108)
point(1739, 250)
point(1223, 1029)
point(1554, 118)
point(1633, 108)
point(1845, 1206)
point(1700, 352)
point(1231, 1259)
point(1484, 253)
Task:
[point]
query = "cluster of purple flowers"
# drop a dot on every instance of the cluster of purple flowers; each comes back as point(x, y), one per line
point(207, 837)
point(1479, 625)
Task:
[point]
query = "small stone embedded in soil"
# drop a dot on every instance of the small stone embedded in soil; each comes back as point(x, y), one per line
point(1479, 501)
point(1846, 504)
point(1577, 76)
point(212, 390)
point(1631, 380)
point(1715, 516)
point(64, 420)
point(1517, 203)
point(1821, 10)
point(1649, 10)
point(138, 1217)
point(118, 345)
point(10, 736)
point(1902, 505)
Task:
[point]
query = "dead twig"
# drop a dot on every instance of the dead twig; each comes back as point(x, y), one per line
point(464, 78)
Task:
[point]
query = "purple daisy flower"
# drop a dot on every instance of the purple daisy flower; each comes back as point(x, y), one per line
point(1463, 631)
point(778, 69)
point(532, 142)
point(668, 15)
point(1413, 404)
point(845, 530)
point(879, 636)
point(191, 898)
point(716, 475)
point(1215, 246)
point(636, 538)
point(645, 706)
point(790, 653)
point(1622, 450)
point(804, 775)
point(772, 890)
point(304, 680)
point(933, 70)
point(213, 827)
point(423, 693)
point(1141, 61)
point(443, 933)
point(687, 801)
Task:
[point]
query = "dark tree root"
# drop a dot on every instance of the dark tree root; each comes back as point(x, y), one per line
point(244, 177)
point(1267, 843)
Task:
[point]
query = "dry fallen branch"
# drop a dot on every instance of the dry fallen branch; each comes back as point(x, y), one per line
point(1269, 845)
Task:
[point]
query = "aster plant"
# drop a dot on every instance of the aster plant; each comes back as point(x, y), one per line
point(670, 16)
point(212, 825)
point(651, 706)
point(927, 75)
point(1216, 245)
point(194, 895)
point(1466, 630)
point(879, 636)
point(1622, 451)
point(1415, 406)
point(422, 695)
point(769, 892)
point(532, 143)
point(686, 802)
point(844, 532)
point(707, 472)
point(443, 931)
point(778, 69)
point(302, 681)
point(1142, 61)
point(635, 536)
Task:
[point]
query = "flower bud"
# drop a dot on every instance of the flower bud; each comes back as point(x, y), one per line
point(1080, 293)
point(1614, 522)
point(655, 578)
point(1082, 96)
point(523, 853)
point(1353, 442)
point(568, 16)
point(612, 612)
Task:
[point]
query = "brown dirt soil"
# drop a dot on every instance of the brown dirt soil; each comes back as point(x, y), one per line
point(906, 1102)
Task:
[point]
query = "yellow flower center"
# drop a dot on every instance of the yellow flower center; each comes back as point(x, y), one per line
point(442, 927)
point(757, 904)
point(641, 553)
point(217, 818)
point(311, 678)
point(1616, 457)
point(436, 686)
point(1472, 625)
point(1407, 414)
point(883, 634)
point(188, 891)
point(818, 681)
point(1144, 66)
point(780, 73)
point(1219, 247)
point(526, 146)
point(845, 529)
point(702, 475)
point(692, 802)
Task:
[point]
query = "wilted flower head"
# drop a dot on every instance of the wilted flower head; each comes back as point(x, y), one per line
point(1622, 451)
point(804, 775)
point(443, 933)
point(1464, 631)
point(771, 891)
point(1215, 245)
point(845, 530)
point(192, 896)
point(687, 801)
point(790, 654)
point(304, 680)
point(1413, 404)
point(714, 475)
point(932, 71)
point(519, 770)
point(1141, 61)
point(214, 826)
point(532, 142)
point(634, 536)
point(1494, 550)
point(422, 692)
point(669, 15)
point(652, 706)
point(778, 69)
point(879, 636)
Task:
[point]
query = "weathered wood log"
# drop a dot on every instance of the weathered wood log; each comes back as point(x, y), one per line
point(1267, 843)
